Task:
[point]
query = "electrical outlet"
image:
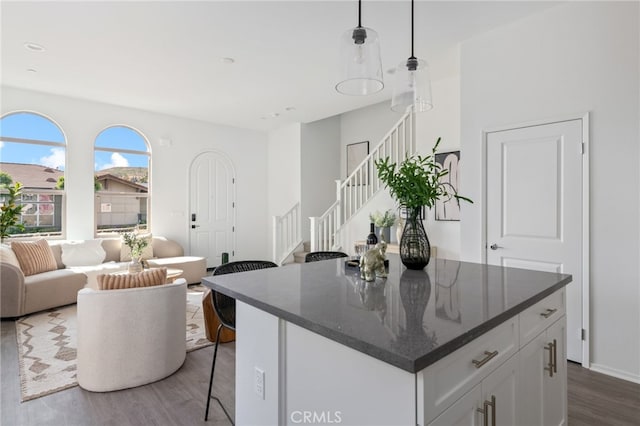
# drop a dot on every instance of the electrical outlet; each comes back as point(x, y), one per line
point(258, 382)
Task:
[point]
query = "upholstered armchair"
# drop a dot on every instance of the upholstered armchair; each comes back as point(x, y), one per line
point(130, 337)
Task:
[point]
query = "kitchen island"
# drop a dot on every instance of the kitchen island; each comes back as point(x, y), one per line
point(456, 342)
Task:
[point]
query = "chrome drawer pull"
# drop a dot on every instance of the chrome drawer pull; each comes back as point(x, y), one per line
point(552, 366)
point(485, 411)
point(548, 313)
point(486, 359)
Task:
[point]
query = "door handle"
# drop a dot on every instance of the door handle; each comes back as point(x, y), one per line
point(485, 411)
point(552, 366)
point(494, 246)
point(195, 226)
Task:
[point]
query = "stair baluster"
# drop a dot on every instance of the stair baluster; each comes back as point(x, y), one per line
point(363, 183)
point(287, 234)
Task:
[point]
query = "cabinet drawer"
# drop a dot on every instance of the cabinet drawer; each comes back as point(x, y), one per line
point(536, 318)
point(442, 383)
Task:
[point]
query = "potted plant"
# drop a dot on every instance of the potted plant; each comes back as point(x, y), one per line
point(416, 183)
point(10, 210)
point(136, 245)
point(383, 222)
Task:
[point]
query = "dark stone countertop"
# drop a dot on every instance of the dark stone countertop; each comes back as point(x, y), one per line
point(410, 320)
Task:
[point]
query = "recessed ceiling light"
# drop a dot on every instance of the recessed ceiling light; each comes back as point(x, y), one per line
point(290, 108)
point(34, 47)
point(270, 116)
point(32, 70)
point(227, 60)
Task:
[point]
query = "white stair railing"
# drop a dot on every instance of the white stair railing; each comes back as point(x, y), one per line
point(287, 234)
point(324, 229)
point(362, 184)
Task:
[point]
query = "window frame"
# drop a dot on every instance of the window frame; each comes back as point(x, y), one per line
point(147, 195)
point(56, 192)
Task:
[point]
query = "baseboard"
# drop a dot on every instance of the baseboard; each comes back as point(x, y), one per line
point(615, 373)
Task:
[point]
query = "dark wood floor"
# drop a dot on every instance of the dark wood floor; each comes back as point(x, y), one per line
point(598, 399)
point(594, 399)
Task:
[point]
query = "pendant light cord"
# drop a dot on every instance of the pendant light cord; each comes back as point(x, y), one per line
point(359, 13)
point(412, 29)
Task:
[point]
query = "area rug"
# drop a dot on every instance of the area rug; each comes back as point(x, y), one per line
point(47, 346)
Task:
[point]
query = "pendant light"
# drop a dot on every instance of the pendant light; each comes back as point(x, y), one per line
point(412, 88)
point(360, 58)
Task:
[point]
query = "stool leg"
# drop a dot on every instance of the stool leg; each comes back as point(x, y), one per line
point(213, 367)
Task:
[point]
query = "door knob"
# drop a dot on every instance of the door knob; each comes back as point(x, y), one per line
point(494, 246)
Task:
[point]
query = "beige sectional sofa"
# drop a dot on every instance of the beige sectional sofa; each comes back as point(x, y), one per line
point(21, 295)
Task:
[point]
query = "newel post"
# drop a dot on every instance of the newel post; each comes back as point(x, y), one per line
point(314, 234)
point(276, 236)
point(339, 207)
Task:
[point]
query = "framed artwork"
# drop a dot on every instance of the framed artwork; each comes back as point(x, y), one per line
point(356, 152)
point(449, 208)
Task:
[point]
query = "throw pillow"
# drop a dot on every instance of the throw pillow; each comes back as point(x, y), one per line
point(147, 278)
point(147, 252)
point(83, 253)
point(34, 256)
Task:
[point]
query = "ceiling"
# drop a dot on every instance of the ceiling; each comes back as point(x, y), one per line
point(167, 57)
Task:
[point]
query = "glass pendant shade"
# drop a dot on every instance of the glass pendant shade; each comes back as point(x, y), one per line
point(412, 87)
point(360, 59)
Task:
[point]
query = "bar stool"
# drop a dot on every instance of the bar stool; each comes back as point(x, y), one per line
point(225, 308)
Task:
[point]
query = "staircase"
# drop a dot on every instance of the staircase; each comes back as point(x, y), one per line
point(287, 234)
point(298, 256)
point(359, 187)
point(351, 195)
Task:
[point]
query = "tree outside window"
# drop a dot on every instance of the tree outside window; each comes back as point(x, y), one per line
point(33, 151)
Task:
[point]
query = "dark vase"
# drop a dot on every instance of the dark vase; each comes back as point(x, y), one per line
point(415, 250)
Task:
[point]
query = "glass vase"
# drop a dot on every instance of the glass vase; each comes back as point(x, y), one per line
point(135, 266)
point(415, 250)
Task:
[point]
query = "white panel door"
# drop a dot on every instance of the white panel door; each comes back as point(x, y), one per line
point(212, 203)
point(534, 207)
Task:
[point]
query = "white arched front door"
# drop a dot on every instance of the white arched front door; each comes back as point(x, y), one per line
point(212, 207)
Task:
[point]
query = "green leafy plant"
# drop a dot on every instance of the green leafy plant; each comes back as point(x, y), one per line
point(135, 243)
point(383, 220)
point(5, 179)
point(11, 210)
point(416, 181)
point(97, 186)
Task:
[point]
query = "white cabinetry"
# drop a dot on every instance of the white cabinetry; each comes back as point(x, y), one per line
point(523, 387)
point(543, 363)
point(442, 383)
point(491, 402)
point(543, 378)
point(514, 374)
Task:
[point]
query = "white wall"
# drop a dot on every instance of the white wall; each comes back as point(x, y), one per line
point(320, 159)
point(283, 176)
point(442, 121)
point(81, 122)
point(574, 58)
point(365, 124)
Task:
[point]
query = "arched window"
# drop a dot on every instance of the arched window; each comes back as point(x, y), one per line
point(33, 152)
point(122, 160)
